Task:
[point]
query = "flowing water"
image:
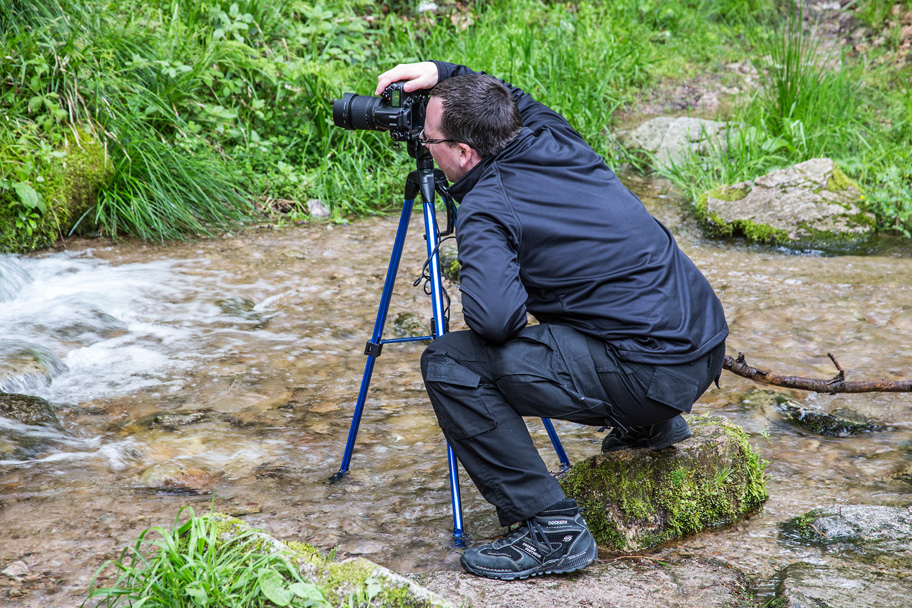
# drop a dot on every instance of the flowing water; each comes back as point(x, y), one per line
point(224, 372)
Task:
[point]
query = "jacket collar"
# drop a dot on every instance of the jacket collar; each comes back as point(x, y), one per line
point(465, 184)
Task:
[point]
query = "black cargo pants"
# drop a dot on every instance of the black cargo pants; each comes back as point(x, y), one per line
point(481, 391)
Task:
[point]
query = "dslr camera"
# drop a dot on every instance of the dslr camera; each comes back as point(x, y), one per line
point(400, 113)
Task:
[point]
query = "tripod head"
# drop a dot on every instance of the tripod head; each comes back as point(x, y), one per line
point(427, 180)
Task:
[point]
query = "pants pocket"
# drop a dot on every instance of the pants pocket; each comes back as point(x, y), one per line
point(673, 389)
point(458, 396)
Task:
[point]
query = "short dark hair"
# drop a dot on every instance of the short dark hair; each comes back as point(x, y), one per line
point(480, 111)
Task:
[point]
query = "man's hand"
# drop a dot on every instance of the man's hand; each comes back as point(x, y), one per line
point(418, 76)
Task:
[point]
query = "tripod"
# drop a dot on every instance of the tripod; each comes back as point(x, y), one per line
point(425, 180)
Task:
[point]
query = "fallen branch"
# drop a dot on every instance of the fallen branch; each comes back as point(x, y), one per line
point(836, 384)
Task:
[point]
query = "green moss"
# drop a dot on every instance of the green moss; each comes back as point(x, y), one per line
point(304, 550)
point(761, 233)
point(449, 264)
point(85, 169)
point(712, 221)
point(68, 185)
point(640, 499)
point(839, 181)
point(802, 530)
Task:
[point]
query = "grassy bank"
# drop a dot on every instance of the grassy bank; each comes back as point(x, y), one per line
point(851, 104)
point(162, 118)
point(219, 561)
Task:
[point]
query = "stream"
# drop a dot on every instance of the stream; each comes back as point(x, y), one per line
point(223, 374)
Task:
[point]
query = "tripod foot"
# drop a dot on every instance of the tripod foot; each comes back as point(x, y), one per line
point(337, 477)
point(460, 540)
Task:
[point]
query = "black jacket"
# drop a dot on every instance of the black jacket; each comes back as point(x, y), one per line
point(545, 227)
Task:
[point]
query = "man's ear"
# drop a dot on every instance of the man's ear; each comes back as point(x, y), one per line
point(468, 157)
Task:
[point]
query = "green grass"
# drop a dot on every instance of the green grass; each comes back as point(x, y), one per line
point(207, 113)
point(191, 565)
point(812, 104)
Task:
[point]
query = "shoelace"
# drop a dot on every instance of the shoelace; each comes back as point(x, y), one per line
point(537, 536)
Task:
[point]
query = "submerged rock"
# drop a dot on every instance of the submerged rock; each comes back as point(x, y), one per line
point(174, 420)
point(826, 424)
point(636, 499)
point(871, 534)
point(25, 366)
point(409, 325)
point(805, 585)
point(244, 309)
point(177, 478)
point(809, 204)
point(28, 410)
point(449, 263)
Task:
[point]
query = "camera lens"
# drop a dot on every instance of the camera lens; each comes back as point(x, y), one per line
point(355, 111)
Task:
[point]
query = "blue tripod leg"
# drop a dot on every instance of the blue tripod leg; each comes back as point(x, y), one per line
point(440, 328)
point(556, 442)
point(374, 346)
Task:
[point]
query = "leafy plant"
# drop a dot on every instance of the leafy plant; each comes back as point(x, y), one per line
point(807, 97)
point(191, 565)
point(205, 108)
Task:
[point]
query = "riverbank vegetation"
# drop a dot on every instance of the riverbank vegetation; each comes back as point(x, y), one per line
point(162, 118)
point(193, 565)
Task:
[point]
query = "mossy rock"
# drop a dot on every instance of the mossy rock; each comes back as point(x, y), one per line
point(350, 582)
point(636, 499)
point(42, 432)
point(68, 185)
point(811, 204)
point(877, 535)
point(409, 325)
point(829, 425)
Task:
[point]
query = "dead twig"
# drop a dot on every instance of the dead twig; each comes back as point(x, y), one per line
point(837, 384)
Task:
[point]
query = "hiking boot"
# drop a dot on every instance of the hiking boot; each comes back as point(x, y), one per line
point(555, 541)
point(654, 437)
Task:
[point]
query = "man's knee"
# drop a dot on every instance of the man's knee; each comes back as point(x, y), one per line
point(456, 345)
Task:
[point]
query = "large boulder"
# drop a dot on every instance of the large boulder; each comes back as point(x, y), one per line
point(669, 140)
point(636, 499)
point(810, 204)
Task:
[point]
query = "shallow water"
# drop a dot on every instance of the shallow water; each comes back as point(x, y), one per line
point(225, 371)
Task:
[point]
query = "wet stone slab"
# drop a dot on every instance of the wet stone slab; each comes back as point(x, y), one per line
point(869, 534)
point(629, 582)
point(805, 585)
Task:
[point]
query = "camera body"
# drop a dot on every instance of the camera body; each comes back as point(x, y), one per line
point(400, 113)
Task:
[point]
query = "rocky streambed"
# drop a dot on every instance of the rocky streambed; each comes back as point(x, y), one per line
point(223, 373)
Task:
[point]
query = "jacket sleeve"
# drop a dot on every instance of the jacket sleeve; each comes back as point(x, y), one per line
point(493, 296)
point(534, 114)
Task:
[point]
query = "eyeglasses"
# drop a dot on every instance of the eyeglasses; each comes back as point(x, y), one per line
point(424, 141)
